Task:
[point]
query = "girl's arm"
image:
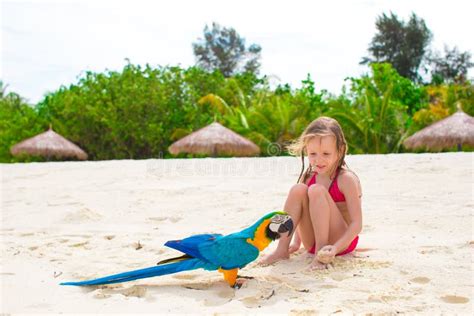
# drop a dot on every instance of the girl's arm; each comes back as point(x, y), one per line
point(349, 186)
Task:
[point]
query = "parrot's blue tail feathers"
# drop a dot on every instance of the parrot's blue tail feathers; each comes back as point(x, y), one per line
point(163, 269)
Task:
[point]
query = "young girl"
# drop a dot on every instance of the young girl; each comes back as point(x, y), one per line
point(325, 204)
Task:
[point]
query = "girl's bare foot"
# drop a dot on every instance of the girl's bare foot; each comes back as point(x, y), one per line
point(295, 246)
point(296, 243)
point(274, 257)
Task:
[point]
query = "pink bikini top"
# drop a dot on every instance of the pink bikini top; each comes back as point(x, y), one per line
point(333, 190)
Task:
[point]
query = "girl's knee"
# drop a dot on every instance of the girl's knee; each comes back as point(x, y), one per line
point(317, 190)
point(299, 189)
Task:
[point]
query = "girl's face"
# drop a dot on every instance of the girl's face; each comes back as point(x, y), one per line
point(322, 153)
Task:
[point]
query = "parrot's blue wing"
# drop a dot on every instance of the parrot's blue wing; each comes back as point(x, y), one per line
point(229, 252)
point(191, 244)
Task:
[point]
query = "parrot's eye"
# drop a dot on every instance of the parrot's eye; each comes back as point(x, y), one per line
point(276, 222)
point(279, 219)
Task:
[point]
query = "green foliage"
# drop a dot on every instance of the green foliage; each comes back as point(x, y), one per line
point(461, 94)
point(269, 120)
point(272, 120)
point(18, 121)
point(376, 119)
point(402, 44)
point(136, 113)
point(444, 100)
point(223, 49)
point(131, 114)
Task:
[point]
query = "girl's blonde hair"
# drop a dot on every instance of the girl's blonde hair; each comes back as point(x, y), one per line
point(322, 126)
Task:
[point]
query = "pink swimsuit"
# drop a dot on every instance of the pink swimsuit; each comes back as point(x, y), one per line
point(337, 196)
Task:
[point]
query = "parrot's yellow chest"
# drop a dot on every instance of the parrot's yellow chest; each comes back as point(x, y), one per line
point(260, 239)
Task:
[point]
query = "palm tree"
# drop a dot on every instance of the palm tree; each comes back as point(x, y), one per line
point(374, 122)
point(3, 90)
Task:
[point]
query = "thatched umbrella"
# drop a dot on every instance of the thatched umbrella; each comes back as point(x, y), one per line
point(457, 129)
point(48, 144)
point(215, 140)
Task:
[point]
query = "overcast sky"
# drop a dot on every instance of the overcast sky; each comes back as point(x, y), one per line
point(46, 44)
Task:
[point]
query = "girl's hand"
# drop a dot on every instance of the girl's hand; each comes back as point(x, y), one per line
point(327, 254)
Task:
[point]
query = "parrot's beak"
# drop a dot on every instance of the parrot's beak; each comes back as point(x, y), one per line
point(280, 224)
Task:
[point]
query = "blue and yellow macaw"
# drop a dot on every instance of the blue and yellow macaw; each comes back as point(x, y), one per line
point(227, 254)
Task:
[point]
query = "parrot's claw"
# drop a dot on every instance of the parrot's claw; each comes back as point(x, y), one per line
point(240, 281)
point(246, 277)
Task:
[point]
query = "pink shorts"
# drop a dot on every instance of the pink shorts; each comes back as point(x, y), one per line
point(351, 247)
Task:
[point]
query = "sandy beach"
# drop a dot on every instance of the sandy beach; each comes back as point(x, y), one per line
point(69, 221)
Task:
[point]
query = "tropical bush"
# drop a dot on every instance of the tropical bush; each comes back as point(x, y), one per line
point(376, 118)
point(444, 100)
point(135, 113)
point(18, 121)
point(138, 112)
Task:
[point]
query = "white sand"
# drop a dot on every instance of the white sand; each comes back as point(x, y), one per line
point(76, 220)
